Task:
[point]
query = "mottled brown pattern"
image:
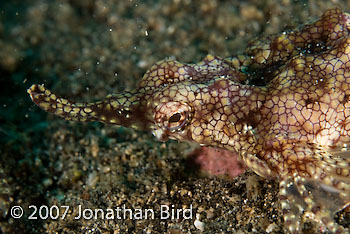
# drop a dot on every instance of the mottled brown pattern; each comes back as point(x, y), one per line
point(283, 106)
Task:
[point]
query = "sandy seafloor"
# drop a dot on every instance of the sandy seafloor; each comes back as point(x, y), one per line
point(87, 49)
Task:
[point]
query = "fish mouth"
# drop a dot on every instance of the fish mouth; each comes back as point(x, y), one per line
point(160, 134)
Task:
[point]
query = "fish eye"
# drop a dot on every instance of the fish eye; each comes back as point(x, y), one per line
point(173, 116)
point(177, 121)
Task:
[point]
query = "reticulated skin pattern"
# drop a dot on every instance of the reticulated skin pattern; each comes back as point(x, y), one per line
point(283, 106)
